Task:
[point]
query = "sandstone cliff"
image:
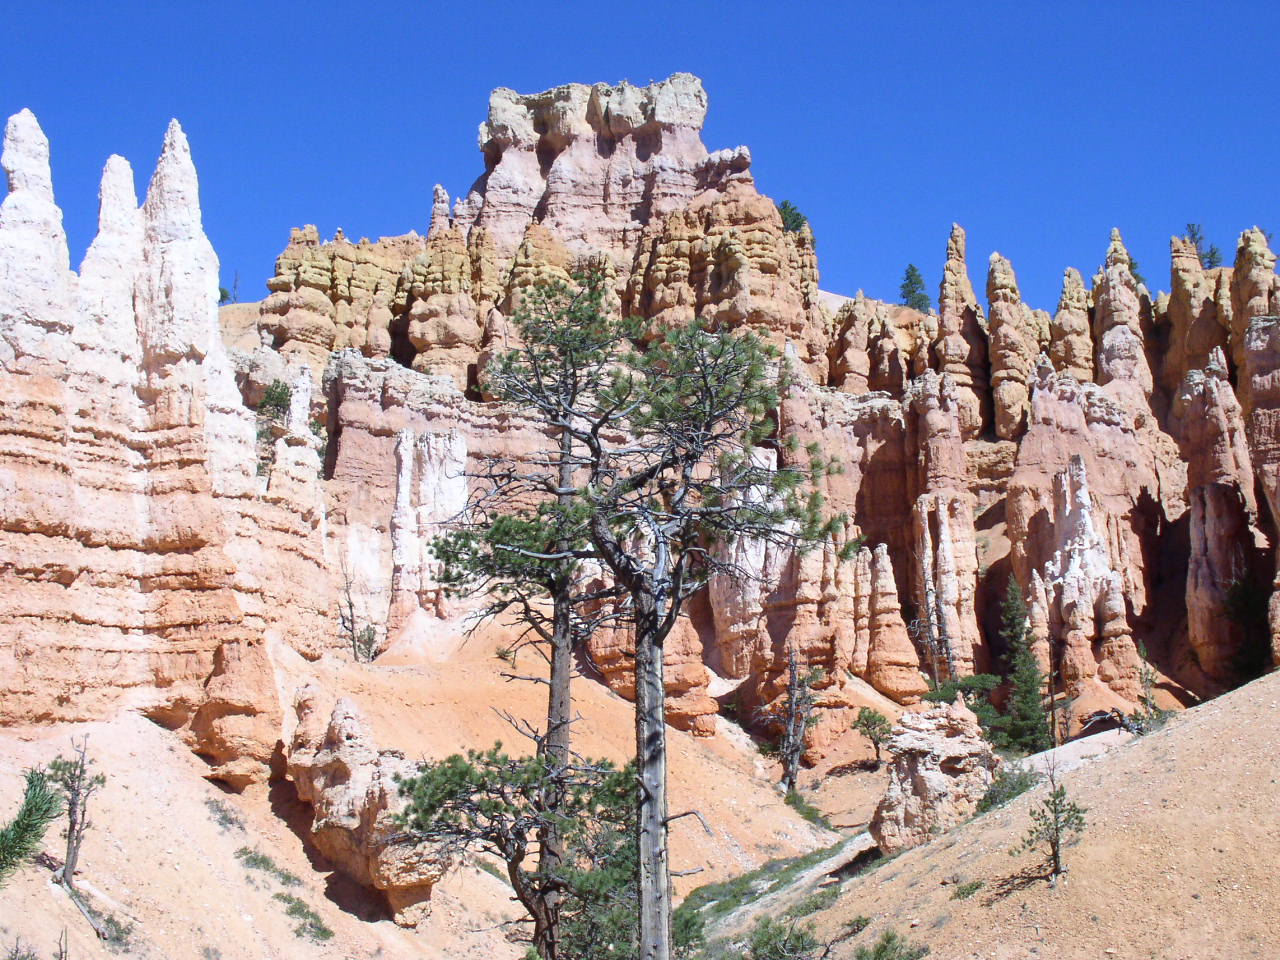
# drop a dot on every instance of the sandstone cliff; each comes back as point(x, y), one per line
point(165, 543)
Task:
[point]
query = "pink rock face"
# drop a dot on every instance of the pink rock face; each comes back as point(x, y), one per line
point(1199, 312)
point(945, 576)
point(961, 345)
point(142, 482)
point(941, 767)
point(594, 163)
point(127, 460)
point(1013, 349)
point(1070, 344)
point(1255, 289)
point(1080, 597)
point(1136, 478)
point(1225, 541)
point(1120, 358)
point(336, 767)
point(237, 726)
point(1260, 397)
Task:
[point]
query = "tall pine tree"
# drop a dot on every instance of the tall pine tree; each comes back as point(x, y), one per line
point(912, 290)
point(1025, 725)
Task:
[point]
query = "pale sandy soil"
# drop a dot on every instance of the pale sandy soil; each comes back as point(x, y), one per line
point(1179, 860)
point(156, 857)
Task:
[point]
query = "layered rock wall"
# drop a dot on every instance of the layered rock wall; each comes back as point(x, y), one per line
point(160, 533)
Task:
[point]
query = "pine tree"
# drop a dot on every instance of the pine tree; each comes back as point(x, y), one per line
point(1055, 823)
point(793, 221)
point(1210, 256)
point(20, 838)
point(1025, 725)
point(913, 292)
point(875, 726)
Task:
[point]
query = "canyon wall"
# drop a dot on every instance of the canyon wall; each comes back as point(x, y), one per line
point(166, 539)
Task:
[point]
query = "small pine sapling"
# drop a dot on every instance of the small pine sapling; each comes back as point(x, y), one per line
point(75, 778)
point(1055, 823)
point(875, 726)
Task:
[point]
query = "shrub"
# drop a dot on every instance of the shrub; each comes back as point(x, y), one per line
point(772, 939)
point(20, 951)
point(892, 946)
point(74, 776)
point(807, 810)
point(275, 401)
point(964, 891)
point(311, 926)
point(1010, 781)
point(818, 900)
point(223, 815)
point(257, 860)
point(855, 926)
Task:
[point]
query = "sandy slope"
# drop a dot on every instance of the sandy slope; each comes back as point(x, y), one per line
point(158, 858)
point(1178, 862)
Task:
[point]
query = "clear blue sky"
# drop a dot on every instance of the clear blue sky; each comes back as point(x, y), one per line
point(1037, 126)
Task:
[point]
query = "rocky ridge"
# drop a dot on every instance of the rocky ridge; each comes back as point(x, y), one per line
point(161, 540)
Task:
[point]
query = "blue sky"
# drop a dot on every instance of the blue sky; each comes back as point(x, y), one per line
point(1037, 126)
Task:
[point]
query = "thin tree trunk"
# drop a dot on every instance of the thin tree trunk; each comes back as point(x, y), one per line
point(651, 760)
point(793, 731)
point(546, 932)
point(75, 814)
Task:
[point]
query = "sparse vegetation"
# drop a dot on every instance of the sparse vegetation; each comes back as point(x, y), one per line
point(892, 946)
point(275, 401)
point(1149, 716)
point(75, 778)
point(964, 891)
point(257, 860)
point(21, 837)
point(796, 801)
point(875, 726)
point(772, 939)
point(310, 926)
point(1210, 256)
point(913, 290)
point(223, 815)
point(273, 409)
point(977, 695)
point(1011, 780)
point(717, 900)
point(818, 900)
point(116, 934)
point(793, 221)
point(20, 951)
point(855, 926)
point(1055, 823)
point(795, 716)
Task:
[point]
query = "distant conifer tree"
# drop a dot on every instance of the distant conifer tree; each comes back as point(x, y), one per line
point(793, 220)
point(913, 292)
point(1025, 725)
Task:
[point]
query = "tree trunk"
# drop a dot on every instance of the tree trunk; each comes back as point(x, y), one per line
point(651, 762)
point(75, 833)
point(793, 729)
point(546, 932)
